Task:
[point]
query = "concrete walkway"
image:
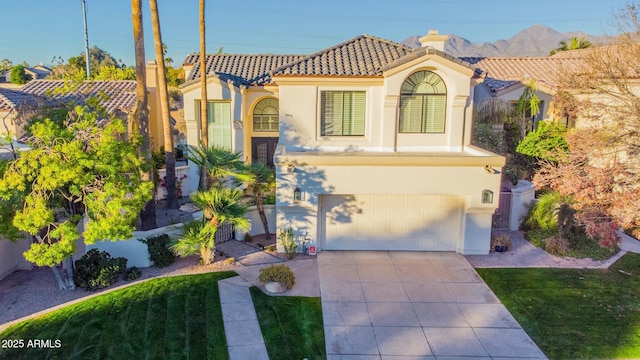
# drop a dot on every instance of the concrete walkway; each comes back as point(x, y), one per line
point(244, 338)
point(379, 305)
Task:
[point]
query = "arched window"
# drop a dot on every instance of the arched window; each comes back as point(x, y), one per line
point(265, 115)
point(423, 101)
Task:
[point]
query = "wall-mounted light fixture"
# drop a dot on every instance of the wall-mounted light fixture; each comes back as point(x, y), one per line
point(297, 195)
point(487, 196)
point(489, 170)
point(238, 125)
point(291, 168)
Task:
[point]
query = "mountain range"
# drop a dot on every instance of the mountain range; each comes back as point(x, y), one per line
point(537, 40)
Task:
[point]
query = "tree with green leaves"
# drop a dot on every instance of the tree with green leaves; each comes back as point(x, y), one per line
point(546, 143)
point(220, 206)
point(103, 67)
point(18, 75)
point(5, 64)
point(261, 182)
point(85, 167)
point(574, 43)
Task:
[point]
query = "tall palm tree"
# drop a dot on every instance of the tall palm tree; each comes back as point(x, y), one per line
point(220, 164)
point(204, 124)
point(220, 206)
point(170, 156)
point(148, 214)
point(573, 44)
point(260, 182)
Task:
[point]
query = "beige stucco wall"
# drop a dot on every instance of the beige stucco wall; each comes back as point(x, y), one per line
point(11, 258)
point(300, 111)
point(465, 182)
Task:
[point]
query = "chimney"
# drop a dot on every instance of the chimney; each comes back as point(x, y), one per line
point(434, 40)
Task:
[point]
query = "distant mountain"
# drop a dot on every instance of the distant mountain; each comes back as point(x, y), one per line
point(537, 40)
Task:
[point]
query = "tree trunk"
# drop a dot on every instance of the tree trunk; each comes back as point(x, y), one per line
point(207, 255)
point(65, 280)
point(170, 158)
point(263, 216)
point(148, 213)
point(204, 120)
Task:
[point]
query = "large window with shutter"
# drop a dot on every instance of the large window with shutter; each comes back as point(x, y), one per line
point(342, 113)
point(219, 114)
point(423, 103)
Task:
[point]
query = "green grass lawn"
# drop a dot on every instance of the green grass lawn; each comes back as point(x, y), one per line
point(291, 326)
point(575, 313)
point(165, 318)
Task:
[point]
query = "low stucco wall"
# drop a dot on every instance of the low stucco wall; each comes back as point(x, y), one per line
point(181, 171)
point(256, 223)
point(11, 258)
point(134, 250)
point(522, 195)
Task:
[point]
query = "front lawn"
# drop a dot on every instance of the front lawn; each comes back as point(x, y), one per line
point(575, 313)
point(291, 326)
point(173, 317)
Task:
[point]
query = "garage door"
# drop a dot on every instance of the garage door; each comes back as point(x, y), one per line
point(390, 222)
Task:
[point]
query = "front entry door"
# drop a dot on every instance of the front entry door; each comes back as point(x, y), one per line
point(263, 149)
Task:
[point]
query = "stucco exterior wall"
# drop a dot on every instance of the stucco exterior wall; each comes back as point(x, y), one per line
point(11, 258)
point(256, 223)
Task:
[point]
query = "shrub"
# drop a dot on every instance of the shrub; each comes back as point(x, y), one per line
point(280, 273)
point(544, 214)
point(557, 246)
point(97, 270)
point(132, 273)
point(159, 252)
point(287, 242)
point(248, 238)
point(230, 261)
point(271, 248)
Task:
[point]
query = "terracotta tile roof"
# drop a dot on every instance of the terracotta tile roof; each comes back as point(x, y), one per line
point(503, 72)
point(364, 55)
point(240, 69)
point(121, 93)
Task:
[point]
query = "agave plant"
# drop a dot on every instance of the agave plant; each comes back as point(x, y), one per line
point(220, 206)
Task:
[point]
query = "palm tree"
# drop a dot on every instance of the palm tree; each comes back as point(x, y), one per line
point(148, 214)
point(170, 157)
point(573, 44)
point(220, 206)
point(204, 124)
point(218, 163)
point(261, 181)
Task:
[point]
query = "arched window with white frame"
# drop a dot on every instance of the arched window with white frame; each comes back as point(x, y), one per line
point(423, 103)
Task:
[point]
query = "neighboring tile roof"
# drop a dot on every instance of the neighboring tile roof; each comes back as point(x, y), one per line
point(364, 55)
point(10, 98)
point(503, 72)
point(121, 93)
point(241, 69)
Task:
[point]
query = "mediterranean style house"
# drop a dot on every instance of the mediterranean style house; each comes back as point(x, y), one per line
point(370, 141)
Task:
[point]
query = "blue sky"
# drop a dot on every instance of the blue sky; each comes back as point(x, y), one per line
point(38, 30)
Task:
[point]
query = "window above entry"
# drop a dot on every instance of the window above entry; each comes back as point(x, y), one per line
point(342, 113)
point(423, 103)
point(265, 115)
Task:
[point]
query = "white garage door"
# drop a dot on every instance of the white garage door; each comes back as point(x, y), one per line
point(390, 222)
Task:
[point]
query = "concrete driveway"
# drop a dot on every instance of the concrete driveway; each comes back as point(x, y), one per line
point(379, 305)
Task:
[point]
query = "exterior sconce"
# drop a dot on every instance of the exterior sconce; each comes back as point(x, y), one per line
point(238, 125)
point(489, 170)
point(487, 196)
point(291, 168)
point(297, 195)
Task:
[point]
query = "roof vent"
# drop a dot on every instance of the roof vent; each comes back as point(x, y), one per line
point(434, 39)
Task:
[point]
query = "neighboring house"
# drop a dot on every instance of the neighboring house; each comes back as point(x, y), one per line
point(372, 142)
point(507, 77)
point(120, 100)
point(38, 72)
